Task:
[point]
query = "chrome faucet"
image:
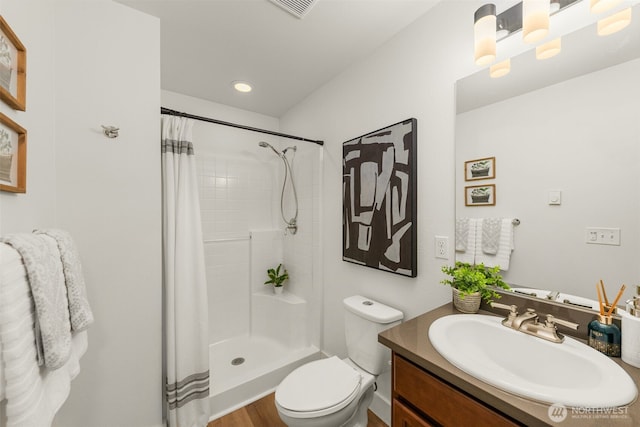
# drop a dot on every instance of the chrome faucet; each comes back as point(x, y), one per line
point(528, 323)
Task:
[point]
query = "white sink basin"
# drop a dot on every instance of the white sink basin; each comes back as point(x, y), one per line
point(570, 373)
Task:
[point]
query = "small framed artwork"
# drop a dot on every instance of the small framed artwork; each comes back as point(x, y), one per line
point(13, 68)
point(13, 156)
point(480, 195)
point(480, 169)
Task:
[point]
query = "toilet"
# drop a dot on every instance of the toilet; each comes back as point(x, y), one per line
point(336, 392)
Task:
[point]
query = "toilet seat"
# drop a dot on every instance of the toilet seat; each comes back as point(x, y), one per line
point(318, 388)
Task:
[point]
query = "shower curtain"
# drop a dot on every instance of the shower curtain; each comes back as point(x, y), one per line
point(185, 292)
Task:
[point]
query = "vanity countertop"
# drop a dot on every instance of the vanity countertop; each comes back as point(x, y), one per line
point(411, 341)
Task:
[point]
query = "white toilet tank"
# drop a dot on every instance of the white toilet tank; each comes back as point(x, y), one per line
point(364, 320)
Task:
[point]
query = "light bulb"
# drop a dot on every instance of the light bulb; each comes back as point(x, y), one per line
point(484, 31)
point(500, 69)
point(549, 49)
point(614, 23)
point(535, 20)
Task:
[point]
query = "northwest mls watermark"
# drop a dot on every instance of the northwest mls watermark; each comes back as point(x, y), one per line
point(558, 413)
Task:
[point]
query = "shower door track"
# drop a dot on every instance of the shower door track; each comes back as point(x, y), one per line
point(168, 111)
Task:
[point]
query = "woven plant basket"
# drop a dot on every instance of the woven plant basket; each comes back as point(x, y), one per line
point(469, 304)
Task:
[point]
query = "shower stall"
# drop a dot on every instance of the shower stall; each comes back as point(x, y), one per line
point(251, 221)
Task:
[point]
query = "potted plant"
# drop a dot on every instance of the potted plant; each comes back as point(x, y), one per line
point(472, 283)
point(277, 279)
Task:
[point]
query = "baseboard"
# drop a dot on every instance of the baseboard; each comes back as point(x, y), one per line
point(381, 407)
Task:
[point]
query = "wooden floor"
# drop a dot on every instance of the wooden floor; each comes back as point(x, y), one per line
point(263, 413)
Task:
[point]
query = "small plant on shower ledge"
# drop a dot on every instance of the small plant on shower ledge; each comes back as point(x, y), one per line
point(277, 279)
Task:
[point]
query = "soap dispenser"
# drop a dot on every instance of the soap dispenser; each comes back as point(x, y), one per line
point(605, 336)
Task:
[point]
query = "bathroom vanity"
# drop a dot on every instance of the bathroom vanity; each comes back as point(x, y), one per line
point(430, 391)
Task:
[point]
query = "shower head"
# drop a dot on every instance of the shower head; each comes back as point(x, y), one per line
point(266, 144)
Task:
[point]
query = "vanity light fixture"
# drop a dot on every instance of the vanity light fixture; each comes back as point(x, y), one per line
point(549, 49)
point(614, 23)
point(599, 6)
point(241, 86)
point(535, 20)
point(500, 69)
point(484, 32)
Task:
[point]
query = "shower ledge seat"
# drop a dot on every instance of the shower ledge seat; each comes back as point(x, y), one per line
point(285, 296)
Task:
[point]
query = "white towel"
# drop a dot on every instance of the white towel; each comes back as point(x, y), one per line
point(80, 312)
point(462, 234)
point(41, 259)
point(491, 235)
point(33, 395)
point(505, 247)
point(469, 254)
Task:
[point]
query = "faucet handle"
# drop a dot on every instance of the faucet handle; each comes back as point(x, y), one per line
point(513, 309)
point(552, 321)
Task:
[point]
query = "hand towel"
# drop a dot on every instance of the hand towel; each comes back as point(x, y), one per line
point(33, 395)
point(491, 235)
point(469, 254)
point(462, 234)
point(79, 309)
point(41, 260)
point(503, 256)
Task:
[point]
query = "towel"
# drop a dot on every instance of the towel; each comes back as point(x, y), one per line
point(462, 234)
point(79, 310)
point(469, 253)
point(33, 395)
point(41, 260)
point(505, 247)
point(491, 235)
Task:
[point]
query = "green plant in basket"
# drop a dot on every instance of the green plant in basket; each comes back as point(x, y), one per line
point(468, 279)
point(275, 277)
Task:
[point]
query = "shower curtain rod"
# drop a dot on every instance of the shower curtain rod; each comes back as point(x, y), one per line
point(164, 110)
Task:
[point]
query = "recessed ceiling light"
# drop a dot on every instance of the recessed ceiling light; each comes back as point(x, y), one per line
point(242, 86)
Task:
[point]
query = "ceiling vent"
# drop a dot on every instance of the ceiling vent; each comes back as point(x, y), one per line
point(297, 8)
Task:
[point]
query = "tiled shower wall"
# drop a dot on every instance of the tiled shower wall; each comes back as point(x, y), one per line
point(240, 188)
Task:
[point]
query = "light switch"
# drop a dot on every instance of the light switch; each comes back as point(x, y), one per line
point(555, 197)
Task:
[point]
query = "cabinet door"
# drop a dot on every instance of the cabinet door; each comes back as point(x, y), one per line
point(405, 417)
point(438, 400)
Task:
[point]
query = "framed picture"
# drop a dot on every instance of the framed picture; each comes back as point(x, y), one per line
point(13, 156)
point(480, 195)
point(480, 169)
point(379, 199)
point(13, 68)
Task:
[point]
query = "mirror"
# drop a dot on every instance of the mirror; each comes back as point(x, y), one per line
point(565, 135)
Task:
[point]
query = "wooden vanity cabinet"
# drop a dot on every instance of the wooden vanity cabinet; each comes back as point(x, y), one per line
point(421, 399)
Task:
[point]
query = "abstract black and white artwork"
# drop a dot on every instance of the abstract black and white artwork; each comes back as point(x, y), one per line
point(379, 199)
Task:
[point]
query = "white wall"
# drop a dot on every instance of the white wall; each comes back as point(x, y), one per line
point(107, 61)
point(579, 136)
point(32, 22)
point(81, 73)
point(413, 75)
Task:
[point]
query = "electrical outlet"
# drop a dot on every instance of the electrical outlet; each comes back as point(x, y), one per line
point(442, 247)
point(603, 236)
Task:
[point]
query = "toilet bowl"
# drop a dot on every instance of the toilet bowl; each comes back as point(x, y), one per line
point(336, 392)
point(327, 392)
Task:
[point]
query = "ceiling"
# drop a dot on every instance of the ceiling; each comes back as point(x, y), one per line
point(207, 44)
